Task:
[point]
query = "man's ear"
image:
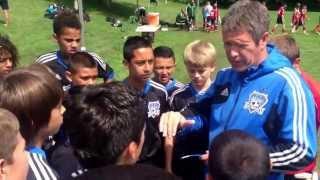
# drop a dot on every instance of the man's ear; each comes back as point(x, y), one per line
point(3, 168)
point(264, 40)
point(68, 75)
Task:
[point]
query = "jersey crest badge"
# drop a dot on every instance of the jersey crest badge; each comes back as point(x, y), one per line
point(256, 102)
point(153, 109)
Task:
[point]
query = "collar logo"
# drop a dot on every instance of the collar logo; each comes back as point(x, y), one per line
point(153, 109)
point(256, 102)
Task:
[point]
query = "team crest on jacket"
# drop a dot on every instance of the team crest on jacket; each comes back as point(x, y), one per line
point(256, 102)
point(153, 109)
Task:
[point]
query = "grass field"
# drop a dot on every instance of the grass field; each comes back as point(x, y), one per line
point(32, 33)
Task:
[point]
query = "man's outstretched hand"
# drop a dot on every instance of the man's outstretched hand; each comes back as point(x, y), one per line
point(171, 121)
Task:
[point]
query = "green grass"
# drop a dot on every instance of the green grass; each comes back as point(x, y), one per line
point(32, 33)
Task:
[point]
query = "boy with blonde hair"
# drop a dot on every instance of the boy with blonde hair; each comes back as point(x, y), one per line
point(200, 59)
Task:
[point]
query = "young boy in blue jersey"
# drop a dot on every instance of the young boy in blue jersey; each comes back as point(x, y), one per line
point(200, 59)
point(83, 69)
point(164, 67)
point(66, 32)
point(34, 95)
point(139, 60)
point(260, 94)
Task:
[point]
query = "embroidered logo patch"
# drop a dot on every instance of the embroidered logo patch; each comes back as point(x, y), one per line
point(153, 109)
point(256, 102)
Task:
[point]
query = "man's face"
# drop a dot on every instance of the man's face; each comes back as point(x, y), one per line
point(6, 64)
point(83, 76)
point(68, 40)
point(141, 65)
point(163, 69)
point(241, 50)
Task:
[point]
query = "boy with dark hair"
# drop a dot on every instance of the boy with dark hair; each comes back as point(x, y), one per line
point(66, 29)
point(164, 66)
point(105, 124)
point(235, 155)
point(83, 69)
point(138, 58)
point(9, 57)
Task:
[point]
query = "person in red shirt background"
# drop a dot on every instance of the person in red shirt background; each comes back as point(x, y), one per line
point(280, 18)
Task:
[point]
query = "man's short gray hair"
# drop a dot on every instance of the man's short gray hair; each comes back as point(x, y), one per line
point(247, 15)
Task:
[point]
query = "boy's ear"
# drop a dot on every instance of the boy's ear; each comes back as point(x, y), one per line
point(129, 154)
point(68, 75)
point(213, 68)
point(125, 63)
point(55, 36)
point(133, 151)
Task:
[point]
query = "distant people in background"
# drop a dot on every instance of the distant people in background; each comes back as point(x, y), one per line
point(34, 95)
point(154, 2)
point(317, 28)
point(191, 12)
point(164, 67)
point(9, 57)
point(295, 19)
point(206, 13)
point(13, 157)
point(66, 29)
point(200, 60)
point(214, 18)
point(235, 154)
point(83, 69)
point(139, 60)
point(5, 8)
point(280, 18)
point(182, 20)
point(303, 17)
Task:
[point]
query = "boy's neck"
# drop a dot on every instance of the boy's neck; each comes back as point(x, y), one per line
point(138, 85)
point(204, 87)
point(64, 55)
point(38, 141)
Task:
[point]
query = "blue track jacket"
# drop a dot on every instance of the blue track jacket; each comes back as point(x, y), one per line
point(270, 102)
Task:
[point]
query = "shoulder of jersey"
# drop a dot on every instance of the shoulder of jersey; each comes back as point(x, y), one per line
point(178, 91)
point(98, 59)
point(158, 86)
point(179, 84)
point(46, 57)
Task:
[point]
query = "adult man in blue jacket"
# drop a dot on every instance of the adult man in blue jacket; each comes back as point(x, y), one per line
point(261, 93)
